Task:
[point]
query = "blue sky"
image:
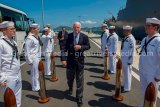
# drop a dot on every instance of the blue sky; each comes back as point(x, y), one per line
point(65, 12)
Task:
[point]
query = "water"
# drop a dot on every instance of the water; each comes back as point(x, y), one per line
point(138, 33)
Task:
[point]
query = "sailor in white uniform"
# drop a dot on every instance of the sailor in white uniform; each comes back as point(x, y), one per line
point(10, 72)
point(104, 36)
point(33, 54)
point(112, 45)
point(51, 32)
point(127, 55)
point(48, 47)
point(149, 62)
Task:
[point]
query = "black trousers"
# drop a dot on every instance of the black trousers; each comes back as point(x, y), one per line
point(76, 71)
point(61, 44)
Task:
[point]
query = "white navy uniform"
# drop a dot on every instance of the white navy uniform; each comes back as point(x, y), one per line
point(52, 33)
point(33, 56)
point(10, 71)
point(48, 47)
point(149, 65)
point(127, 55)
point(104, 36)
point(112, 44)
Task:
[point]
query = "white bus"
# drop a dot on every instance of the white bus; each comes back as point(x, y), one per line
point(21, 23)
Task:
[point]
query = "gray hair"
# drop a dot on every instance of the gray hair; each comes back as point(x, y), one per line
point(77, 23)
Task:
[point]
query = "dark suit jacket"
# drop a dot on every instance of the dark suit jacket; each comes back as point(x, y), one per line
point(60, 36)
point(71, 53)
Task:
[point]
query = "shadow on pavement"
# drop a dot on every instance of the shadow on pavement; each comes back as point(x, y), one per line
point(29, 72)
point(92, 64)
point(106, 101)
point(32, 97)
point(102, 85)
point(2, 104)
point(96, 76)
point(58, 94)
point(26, 85)
point(95, 70)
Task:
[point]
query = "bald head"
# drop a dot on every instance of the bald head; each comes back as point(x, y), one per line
point(77, 27)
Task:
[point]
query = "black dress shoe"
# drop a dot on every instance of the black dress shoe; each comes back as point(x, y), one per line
point(125, 91)
point(70, 91)
point(79, 104)
point(122, 88)
point(109, 71)
point(101, 65)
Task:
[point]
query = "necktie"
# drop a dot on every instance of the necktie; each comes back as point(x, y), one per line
point(14, 47)
point(123, 40)
point(39, 40)
point(15, 51)
point(76, 39)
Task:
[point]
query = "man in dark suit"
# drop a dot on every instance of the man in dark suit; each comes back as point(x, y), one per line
point(62, 37)
point(76, 44)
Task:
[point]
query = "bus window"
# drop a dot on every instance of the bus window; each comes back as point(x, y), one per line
point(8, 15)
point(7, 18)
point(26, 23)
point(18, 22)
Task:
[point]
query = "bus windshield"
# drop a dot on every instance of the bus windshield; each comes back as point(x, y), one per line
point(19, 19)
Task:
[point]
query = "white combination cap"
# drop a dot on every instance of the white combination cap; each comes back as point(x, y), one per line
point(112, 27)
point(34, 25)
point(45, 29)
point(104, 24)
point(6, 24)
point(127, 27)
point(153, 20)
point(48, 25)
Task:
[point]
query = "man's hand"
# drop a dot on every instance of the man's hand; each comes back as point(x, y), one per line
point(3, 84)
point(64, 63)
point(62, 38)
point(157, 80)
point(77, 47)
